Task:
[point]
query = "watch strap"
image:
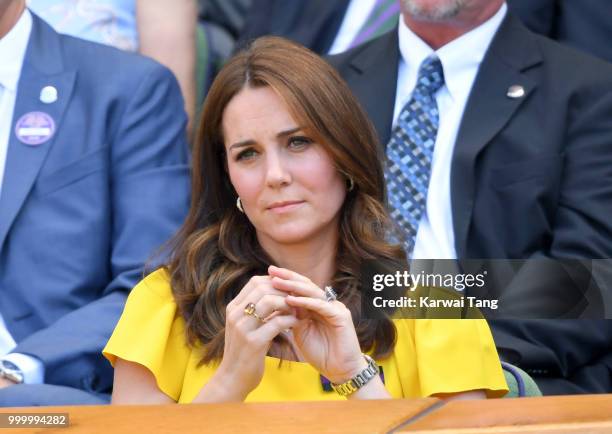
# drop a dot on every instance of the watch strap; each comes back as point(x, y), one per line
point(358, 381)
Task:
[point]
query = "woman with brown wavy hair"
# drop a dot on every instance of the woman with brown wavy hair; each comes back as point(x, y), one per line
point(261, 299)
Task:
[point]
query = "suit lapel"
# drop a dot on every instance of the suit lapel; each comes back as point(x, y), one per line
point(42, 67)
point(488, 110)
point(376, 82)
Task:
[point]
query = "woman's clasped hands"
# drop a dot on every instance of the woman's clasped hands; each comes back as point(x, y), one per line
point(323, 332)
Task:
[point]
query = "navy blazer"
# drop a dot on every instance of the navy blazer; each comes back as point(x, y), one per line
point(82, 213)
point(581, 24)
point(531, 178)
point(312, 23)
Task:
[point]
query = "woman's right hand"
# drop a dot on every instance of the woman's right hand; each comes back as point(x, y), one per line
point(247, 340)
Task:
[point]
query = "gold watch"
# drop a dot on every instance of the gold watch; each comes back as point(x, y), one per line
point(359, 380)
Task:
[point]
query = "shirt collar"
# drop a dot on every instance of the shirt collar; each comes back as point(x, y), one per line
point(13, 48)
point(458, 56)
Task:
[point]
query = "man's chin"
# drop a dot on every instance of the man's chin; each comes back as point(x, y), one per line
point(432, 14)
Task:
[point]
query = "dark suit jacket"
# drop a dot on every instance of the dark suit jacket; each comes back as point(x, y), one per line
point(582, 24)
point(81, 213)
point(312, 23)
point(531, 177)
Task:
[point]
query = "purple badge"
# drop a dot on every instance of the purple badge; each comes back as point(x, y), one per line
point(35, 128)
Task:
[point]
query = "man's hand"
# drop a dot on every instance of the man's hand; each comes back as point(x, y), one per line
point(4, 382)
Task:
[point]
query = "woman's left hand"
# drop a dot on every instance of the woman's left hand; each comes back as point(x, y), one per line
point(325, 334)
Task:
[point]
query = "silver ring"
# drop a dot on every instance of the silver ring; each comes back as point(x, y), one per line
point(330, 294)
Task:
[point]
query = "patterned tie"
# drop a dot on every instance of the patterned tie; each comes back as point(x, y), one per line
point(383, 18)
point(410, 152)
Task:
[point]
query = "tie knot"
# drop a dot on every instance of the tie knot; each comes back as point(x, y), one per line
point(431, 76)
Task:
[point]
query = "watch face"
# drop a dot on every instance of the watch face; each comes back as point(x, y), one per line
point(11, 372)
point(10, 365)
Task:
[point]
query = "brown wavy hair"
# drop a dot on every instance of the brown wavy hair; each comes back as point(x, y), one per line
point(216, 250)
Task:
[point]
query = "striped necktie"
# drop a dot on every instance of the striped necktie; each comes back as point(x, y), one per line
point(410, 152)
point(383, 18)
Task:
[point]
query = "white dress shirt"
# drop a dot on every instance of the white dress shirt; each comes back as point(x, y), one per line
point(357, 13)
point(12, 52)
point(460, 58)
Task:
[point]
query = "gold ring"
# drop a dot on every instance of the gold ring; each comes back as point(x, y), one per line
point(250, 310)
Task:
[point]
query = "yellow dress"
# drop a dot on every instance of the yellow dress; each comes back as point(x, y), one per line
point(430, 356)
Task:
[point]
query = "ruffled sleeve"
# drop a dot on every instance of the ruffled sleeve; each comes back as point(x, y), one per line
point(151, 333)
point(456, 355)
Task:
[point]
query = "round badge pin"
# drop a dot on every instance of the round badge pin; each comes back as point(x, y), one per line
point(48, 95)
point(34, 128)
point(516, 91)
